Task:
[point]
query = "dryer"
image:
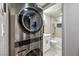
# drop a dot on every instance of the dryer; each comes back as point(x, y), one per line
point(26, 29)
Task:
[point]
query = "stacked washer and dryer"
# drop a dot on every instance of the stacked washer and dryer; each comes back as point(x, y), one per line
point(26, 29)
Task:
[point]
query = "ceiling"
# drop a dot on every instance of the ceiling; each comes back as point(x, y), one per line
point(45, 5)
point(54, 10)
point(41, 4)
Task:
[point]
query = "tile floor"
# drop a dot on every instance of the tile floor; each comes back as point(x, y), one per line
point(55, 50)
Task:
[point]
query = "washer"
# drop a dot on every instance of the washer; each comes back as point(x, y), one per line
point(28, 30)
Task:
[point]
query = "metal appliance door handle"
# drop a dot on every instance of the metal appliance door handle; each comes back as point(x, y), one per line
point(2, 27)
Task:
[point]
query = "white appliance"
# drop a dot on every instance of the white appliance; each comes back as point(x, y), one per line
point(46, 42)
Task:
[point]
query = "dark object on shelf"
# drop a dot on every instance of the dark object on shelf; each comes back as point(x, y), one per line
point(59, 25)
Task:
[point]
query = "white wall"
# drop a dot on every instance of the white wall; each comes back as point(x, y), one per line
point(71, 29)
point(3, 29)
point(46, 19)
point(50, 26)
point(58, 30)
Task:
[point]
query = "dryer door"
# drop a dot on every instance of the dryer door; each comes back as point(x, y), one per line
point(35, 52)
point(30, 20)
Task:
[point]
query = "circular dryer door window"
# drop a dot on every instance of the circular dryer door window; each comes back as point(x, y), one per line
point(31, 19)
